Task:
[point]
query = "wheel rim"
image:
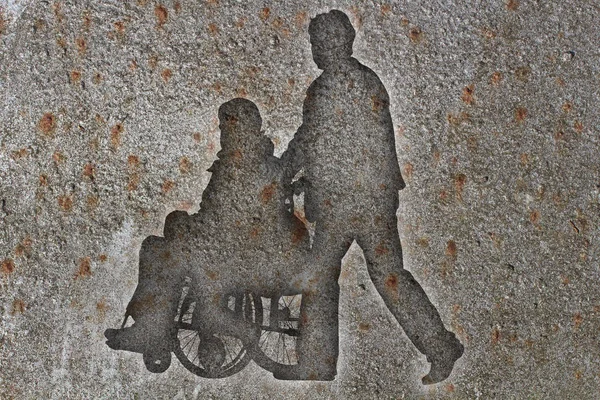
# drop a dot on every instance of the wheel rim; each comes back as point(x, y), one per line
point(191, 342)
point(277, 347)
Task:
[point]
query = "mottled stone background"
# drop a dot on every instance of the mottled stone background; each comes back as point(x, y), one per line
point(108, 122)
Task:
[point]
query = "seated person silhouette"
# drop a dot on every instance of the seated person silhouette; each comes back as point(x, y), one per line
point(244, 237)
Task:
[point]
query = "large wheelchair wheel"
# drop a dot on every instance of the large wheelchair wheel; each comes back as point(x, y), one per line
point(280, 332)
point(213, 355)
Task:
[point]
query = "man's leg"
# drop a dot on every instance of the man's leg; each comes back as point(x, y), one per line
point(406, 299)
point(317, 345)
point(154, 301)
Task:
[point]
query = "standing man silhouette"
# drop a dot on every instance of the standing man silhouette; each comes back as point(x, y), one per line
point(347, 152)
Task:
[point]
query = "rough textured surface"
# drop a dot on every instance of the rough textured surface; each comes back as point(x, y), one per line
point(109, 121)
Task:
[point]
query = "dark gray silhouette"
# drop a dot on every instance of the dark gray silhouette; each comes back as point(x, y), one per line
point(239, 280)
point(200, 286)
point(346, 149)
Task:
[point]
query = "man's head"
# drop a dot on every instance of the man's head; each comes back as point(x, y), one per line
point(331, 37)
point(240, 123)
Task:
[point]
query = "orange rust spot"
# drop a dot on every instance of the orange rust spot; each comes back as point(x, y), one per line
point(458, 118)
point(264, 13)
point(404, 21)
point(3, 23)
point(115, 135)
point(47, 124)
point(241, 92)
point(496, 78)
point(364, 327)
point(459, 183)
point(165, 255)
point(381, 249)
point(92, 202)
point(153, 61)
point(89, 171)
point(8, 266)
point(197, 137)
point(443, 195)
point(377, 103)
point(268, 192)
point(520, 114)
point(185, 165)
point(522, 73)
point(101, 307)
point(255, 232)
point(495, 336)
point(577, 320)
point(488, 33)
point(43, 180)
point(166, 74)
point(103, 257)
point(177, 7)
point(449, 388)
point(133, 65)
point(212, 275)
point(408, 171)
point(391, 282)
point(97, 78)
point(19, 154)
point(213, 29)
point(567, 107)
point(167, 186)
point(386, 8)
point(415, 35)
point(578, 374)
point(423, 242)
point(161, 14)
point(65, 202)
point(81, 45)
point(524, 157)
point(241, 22)
point(534, 216)
point(299, 231)
point(300, 19)
point(451, 249)
point(512, 5)
point(75, 76)
point(467, 94)
point(85, 268)
point(578, 127)
point(18, 307)
point(133, 161)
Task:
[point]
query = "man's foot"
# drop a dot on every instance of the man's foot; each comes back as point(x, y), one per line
point(442, 364)
point(298, 373)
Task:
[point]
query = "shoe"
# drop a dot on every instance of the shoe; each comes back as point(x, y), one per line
point(442, 364)
point(138, 339)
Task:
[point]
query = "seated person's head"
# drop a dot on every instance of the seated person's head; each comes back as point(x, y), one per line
point(240, 123)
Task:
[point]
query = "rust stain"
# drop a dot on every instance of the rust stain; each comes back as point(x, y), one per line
point(81, 45)
point(520, 114)
point(578, 374)
point(451, 249)
point(23, 248)
point(75, 76)
point(15, 155)
point(408, 171)
point(377, 103)
point(8, 266)
point(185, 165)
point(101, 307)
point(467, 94)
point(415, 35)
point(264, 13)
point(268, 192)
point(197, 137)
point(92, 202)
point(65, 202)
point(300, 19)
point(213, 29)
point(47, 124)
point(18, 307)
point(534, 217)
point(512, 5)
point(120, 27)
point(43, 179)
point(177, 7)
point(459, 183)
point(567, 107)
point(167, 186)
point(103, 258)
point(522, 74)
point(391, 282)
point(386, 9)
point(449, 388)
point(488, 33)
point(423, 242)
point(381, 249)
point(85, 268)
point(495, 336)
point(89, 171)
point(97, 78)
point(115, 135)
point(364, 327)
point(496, 78)
point(161, 14)
point(578, 127)
point(166, 74)
point(404, 21)
point(458, 118)
point(577, 320)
